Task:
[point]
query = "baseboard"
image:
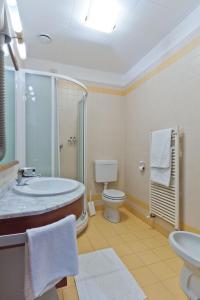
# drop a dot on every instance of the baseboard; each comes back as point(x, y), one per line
point(164, 229)
point(98, 204)
point(97, 201)
point(138, 202)
point(141, 210)
point(95, 197)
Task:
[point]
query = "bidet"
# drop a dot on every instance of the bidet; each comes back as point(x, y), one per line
point(187, 246)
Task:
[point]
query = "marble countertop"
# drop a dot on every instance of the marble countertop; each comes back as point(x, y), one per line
point(14, 205)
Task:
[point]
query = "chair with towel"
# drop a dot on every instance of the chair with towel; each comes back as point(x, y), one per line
point(160, 161)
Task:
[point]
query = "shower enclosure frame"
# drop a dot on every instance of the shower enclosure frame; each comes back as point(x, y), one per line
point(20, 131)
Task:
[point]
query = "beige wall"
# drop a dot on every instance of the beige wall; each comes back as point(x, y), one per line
point(105, 135)
point(172, 97)
point(118, 127)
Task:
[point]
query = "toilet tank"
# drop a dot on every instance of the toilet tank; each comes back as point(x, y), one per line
point(106, 170)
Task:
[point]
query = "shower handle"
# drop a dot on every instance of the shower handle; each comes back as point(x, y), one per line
point(72, 140)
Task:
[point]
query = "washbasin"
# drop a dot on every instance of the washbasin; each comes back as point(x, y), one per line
point(187, 246)
point(47, 186)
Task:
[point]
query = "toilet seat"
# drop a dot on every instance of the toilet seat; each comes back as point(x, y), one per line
point(113, 200)
point(114, 195)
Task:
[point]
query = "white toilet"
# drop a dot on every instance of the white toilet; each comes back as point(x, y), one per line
point(105, 172)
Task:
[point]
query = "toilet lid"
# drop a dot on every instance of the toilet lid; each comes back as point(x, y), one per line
point(113, 194)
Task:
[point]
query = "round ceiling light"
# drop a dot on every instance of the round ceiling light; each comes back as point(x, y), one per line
point(45, 38)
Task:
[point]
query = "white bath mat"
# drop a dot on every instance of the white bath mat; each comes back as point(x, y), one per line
point(103, 276)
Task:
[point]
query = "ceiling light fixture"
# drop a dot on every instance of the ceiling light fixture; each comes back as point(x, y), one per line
point(103, 15)
point(17, 26)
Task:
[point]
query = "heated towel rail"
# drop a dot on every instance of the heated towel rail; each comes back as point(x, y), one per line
point(164, 201)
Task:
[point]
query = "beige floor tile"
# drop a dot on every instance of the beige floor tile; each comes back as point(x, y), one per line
point(142, 225)
point(133, 228)
point(102, 223)
point(144, 276)
point(84, 246)
point(148, 257)
point(114, 240)
point(99, 242)
point(94, 233)
point(158, 291)
point(125, 216)
point(60, 294)
point(122, 250)
point(105, 227)
point(175, 264)
point(153, 243)
point(143, 250)
point(164, 252)
point(173, 286)
point(70, 293)
point(158, 236)
point(145, 233)
point(119, 228)
point(132, 261)
point(82, 237)
point(128, 237)
point(91, 231)
point(161, 270)
point(137, 246)
point(108, 233)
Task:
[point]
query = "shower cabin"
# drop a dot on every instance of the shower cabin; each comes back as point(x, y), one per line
point(50, 118)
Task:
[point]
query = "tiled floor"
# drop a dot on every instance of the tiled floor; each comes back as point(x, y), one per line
point(143, 250)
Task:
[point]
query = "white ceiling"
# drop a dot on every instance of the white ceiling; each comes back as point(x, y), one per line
point(142, 24)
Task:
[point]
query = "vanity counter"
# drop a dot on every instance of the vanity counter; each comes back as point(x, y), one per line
point(19, 212)
point(14, 205)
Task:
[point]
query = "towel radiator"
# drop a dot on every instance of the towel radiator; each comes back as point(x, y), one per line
point(164, 201)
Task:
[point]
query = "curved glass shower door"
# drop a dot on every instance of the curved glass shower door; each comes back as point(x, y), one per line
point(70, 100)
point(39, 123)
point(54, 113)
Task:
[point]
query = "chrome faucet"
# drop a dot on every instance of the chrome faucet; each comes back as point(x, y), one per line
point(19, 176)
point(26, 173)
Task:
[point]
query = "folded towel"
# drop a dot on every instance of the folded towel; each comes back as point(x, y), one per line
point(161, 148)
point(161, 156)
point(161, 176)
point(51, 254)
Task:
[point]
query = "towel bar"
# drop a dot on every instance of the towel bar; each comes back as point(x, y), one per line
point(164, 201)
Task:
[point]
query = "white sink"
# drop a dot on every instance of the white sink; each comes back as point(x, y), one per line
point(47, 186)
point(187, 246)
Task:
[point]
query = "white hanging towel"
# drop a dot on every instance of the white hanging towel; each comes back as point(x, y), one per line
point(161, 156)
point(51, 254)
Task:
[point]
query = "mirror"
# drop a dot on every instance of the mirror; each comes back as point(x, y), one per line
point(9, 117)
point(7, 88)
